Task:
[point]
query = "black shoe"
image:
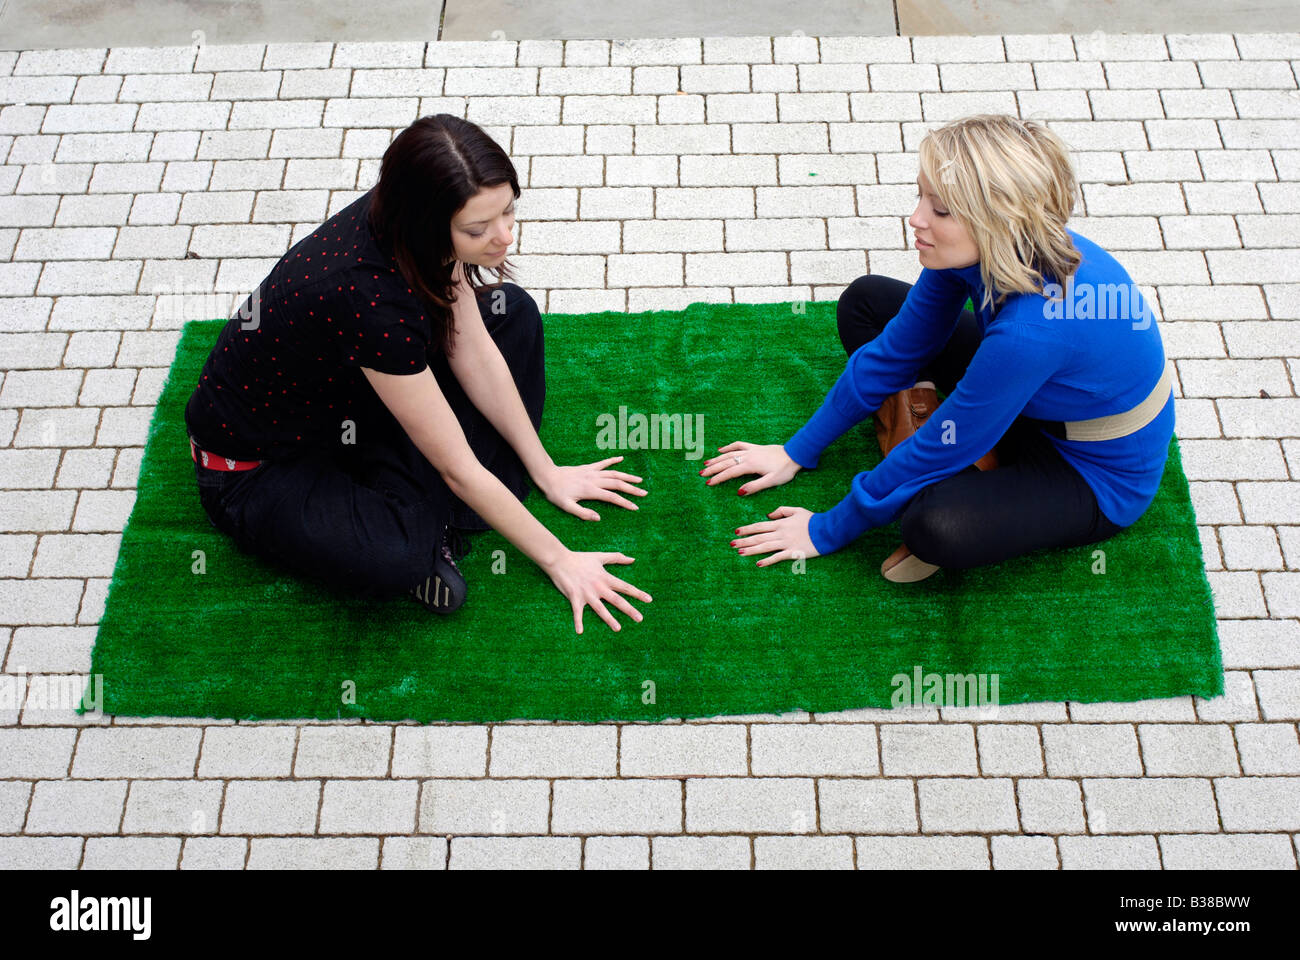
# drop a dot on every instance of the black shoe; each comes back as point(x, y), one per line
point(444, 591)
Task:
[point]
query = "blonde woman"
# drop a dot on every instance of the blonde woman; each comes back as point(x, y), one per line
point(1058, 404)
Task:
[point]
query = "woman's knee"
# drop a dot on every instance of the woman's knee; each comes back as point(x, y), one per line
point(936, 533)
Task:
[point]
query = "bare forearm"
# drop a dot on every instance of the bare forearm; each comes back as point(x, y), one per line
point(492, 390)
point(486, 495)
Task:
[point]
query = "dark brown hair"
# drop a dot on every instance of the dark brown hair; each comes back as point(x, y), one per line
point(429, 172)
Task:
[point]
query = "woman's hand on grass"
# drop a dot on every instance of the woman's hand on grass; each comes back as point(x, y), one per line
point(565, 486)
point(785, 537)
point(738, 459)
point(582, 578)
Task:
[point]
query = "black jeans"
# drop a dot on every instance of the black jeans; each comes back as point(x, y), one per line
point(1033, 500)
point(367, 518)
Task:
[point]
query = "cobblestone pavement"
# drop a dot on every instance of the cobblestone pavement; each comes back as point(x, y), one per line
point(657, 173)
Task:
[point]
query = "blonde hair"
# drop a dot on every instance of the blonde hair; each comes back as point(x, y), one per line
point(1011, 184)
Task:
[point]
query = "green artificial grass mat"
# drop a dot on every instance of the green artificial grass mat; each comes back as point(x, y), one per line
point(246, 640)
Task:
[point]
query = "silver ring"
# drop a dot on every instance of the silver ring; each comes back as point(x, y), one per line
point(737, 459)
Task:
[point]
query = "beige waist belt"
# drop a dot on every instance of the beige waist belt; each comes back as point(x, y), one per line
point(1130, 421)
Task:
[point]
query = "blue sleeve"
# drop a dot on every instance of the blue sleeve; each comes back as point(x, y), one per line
point(885, 365)
point(1009, 367)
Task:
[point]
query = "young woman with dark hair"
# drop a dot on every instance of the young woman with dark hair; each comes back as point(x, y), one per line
point(373, 401)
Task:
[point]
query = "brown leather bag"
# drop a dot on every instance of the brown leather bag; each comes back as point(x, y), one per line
point(905, 412)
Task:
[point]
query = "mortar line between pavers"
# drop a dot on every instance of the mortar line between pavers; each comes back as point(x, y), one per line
point(27, 810)
point(126, 798)
point(419, 808)
point(221, 809)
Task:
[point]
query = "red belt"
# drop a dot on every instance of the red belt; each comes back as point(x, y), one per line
point(214, 462)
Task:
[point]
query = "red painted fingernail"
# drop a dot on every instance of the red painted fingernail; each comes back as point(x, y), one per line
point(733, 543)
point(701, 473)
point(738, 529)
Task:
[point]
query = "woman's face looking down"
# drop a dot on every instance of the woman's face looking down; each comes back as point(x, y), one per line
point(482, 230)
point(940, 240)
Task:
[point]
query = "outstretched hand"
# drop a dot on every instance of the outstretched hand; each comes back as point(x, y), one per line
point(739, 458)
point(582, 578)
point(785, 537)
point(565, 486)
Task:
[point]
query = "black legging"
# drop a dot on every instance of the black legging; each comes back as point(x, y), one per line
point(1034, 500)
point(367, 518)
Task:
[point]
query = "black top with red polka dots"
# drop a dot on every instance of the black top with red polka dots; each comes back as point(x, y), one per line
point(285, 370)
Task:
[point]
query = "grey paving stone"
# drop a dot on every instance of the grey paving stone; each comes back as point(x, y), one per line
point(1237, 702)
point(757, 805)
point(1268, 748)
point(1109, 853)
point(40, 853)
point(867, 806)
point(452, 751)
point(616, 853)
point(1051, 806)
point(173, 806)
point(813, 749)
point(700, 853)
point(1279, 693)
point(484, 806)
point(562, 751)
point(923, 853)
point(270, 807)
point(1172, 805)
point(803, 853)
point(313, 853)
point(1009, 750)
point(683, 750)
point(1024, 853)
point(35, 753)
point(1169, 709)
point(1092, 749)
point(142, 752)
point(369, 806)
point(76, 807)
point(14, 795)
point(414, 853)
point(1175, 750)
point(1264, 851)
point(247, 751)
point(132, 853)
point(1259, 803)
point(343, 751)
point(617, 806)
point(967, 806)
point(515, 853)
point(214, 853)
point(919, 750)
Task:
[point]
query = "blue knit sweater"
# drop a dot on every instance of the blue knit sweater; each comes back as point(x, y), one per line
point(1084, 356)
